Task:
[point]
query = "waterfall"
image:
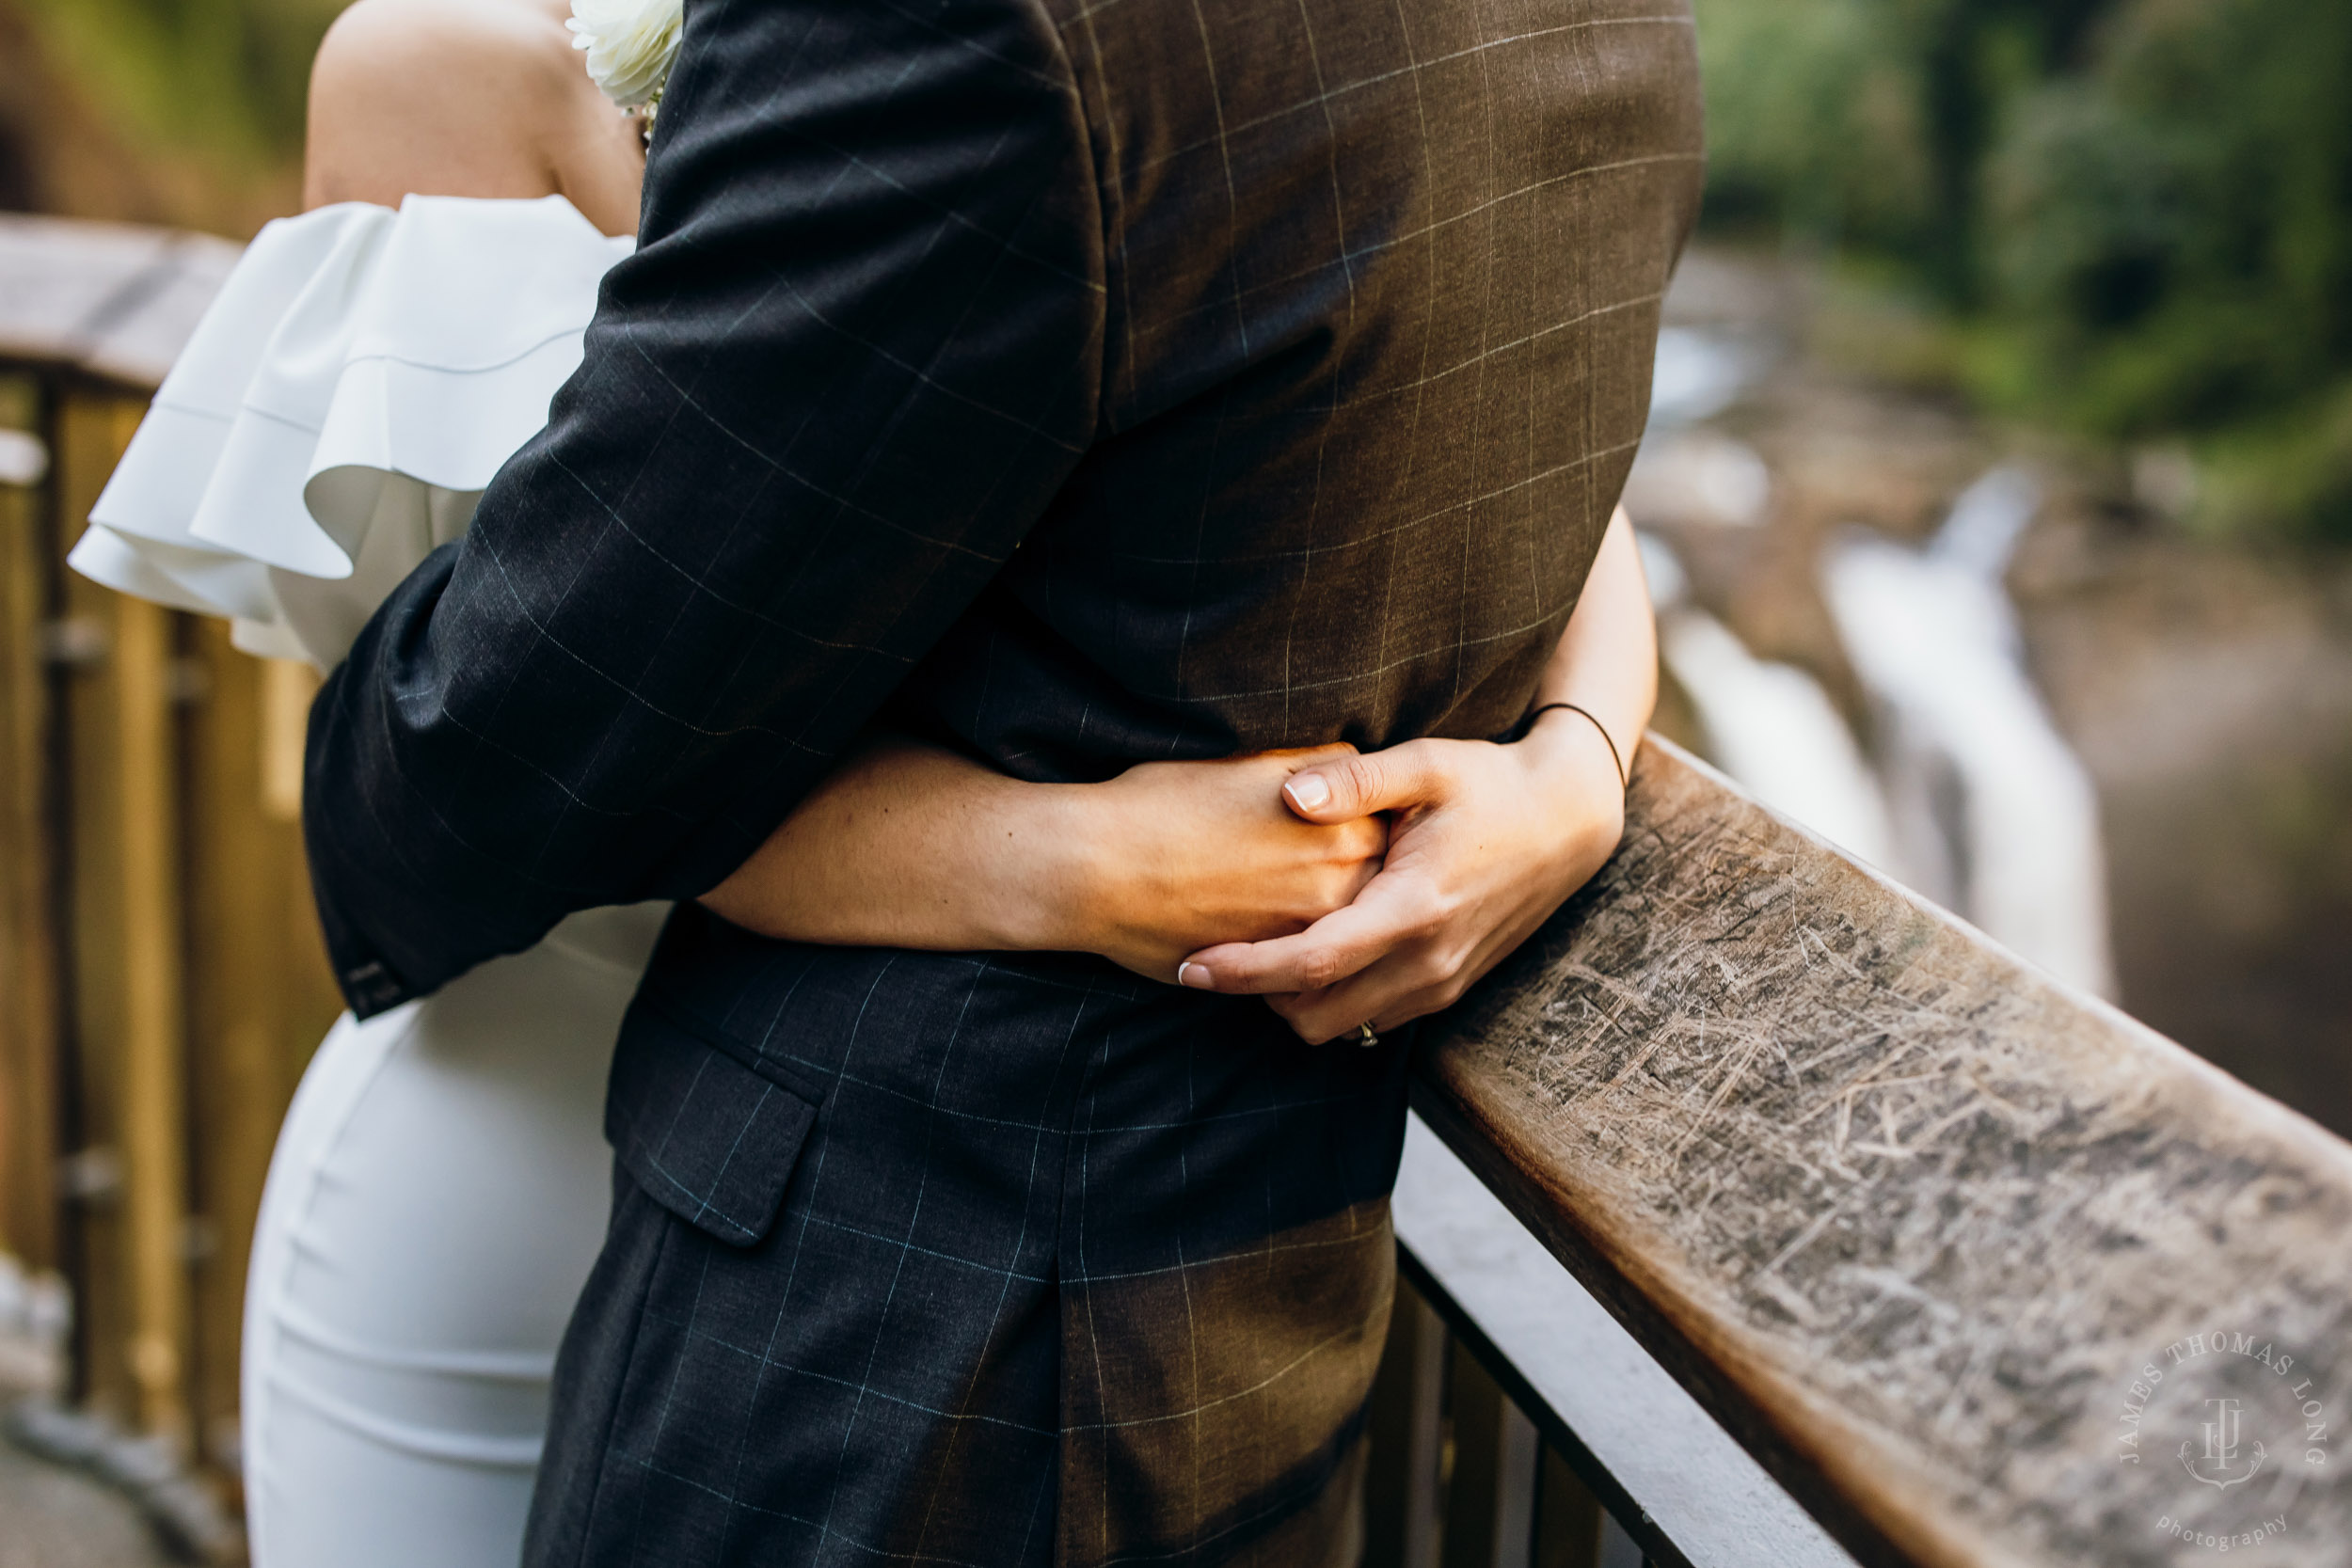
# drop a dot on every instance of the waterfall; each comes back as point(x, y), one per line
point(1993, 814)
point(1973, 798)
point(1769, 726)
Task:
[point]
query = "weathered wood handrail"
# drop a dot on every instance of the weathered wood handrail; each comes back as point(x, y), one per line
point(1908, 1217)
point(112, 302)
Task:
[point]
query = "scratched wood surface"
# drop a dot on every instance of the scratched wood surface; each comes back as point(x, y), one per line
point(1909, 1217)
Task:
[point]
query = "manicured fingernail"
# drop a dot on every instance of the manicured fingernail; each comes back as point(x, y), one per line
point(1308, 791)
point(1196, 976)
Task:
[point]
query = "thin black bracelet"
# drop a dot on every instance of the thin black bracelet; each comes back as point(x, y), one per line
point(1614, 760)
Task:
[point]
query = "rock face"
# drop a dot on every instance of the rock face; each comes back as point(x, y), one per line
point(1984, 1271)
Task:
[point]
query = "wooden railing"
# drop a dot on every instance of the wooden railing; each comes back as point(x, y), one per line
point(160, 985)
point(1770, 1214)
point(1913, 1222)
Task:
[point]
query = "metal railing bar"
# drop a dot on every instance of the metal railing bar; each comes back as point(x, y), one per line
point(1617, 1548)
point(1519, 1468)
point(1553, 1429)
point(1678, 1482)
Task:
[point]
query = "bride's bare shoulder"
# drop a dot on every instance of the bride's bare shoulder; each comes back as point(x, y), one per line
point(446, 97)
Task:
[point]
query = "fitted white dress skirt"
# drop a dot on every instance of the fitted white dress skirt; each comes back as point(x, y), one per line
point(441, 1183)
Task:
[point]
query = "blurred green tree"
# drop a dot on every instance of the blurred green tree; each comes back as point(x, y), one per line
point(207, 96)
point(1795, 92)
point(2148, 203)
point(229, 75)
point(2175, 224)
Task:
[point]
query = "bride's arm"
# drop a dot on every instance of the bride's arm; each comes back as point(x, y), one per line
point(906, 845)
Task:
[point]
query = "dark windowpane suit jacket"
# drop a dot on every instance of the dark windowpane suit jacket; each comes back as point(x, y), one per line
point(1083, 383)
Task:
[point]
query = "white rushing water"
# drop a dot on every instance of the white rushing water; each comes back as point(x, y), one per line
point(1974, 799)
point(1769, 726)
point(1993, 814)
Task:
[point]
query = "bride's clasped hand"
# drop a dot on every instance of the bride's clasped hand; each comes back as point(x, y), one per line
point(1348, 888)
point(1485, 842)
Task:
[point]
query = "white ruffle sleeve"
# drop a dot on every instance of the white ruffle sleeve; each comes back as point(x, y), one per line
point(335, 415)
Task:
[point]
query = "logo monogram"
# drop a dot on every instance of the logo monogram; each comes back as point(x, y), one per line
point(2222, 1448)
point(2247, 1403)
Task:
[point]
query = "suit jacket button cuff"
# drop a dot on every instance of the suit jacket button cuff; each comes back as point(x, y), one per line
point(371, 989)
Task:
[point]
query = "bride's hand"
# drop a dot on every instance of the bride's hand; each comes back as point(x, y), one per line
point(1171, 856)
point(1487, 841)
point(1484, 840)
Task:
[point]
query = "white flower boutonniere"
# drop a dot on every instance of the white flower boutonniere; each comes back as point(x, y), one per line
point(631, 45)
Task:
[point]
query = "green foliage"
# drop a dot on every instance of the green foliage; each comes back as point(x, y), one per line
point(2142, 209)
point(2288, 476)
point(1794, 91)
point(2176, 223)
point(1867, 122)
point(220, 80)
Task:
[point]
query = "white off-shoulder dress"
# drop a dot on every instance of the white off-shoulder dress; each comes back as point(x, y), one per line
point(441, 1186)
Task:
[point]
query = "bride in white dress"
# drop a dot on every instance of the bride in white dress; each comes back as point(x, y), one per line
point(441, 1186)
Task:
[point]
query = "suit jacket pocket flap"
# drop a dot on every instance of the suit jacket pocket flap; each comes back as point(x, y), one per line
point(709, 1136)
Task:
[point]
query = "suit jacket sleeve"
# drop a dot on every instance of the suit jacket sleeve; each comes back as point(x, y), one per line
point(854, 359)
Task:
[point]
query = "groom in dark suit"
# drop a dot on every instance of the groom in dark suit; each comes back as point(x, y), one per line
point(1087, 381)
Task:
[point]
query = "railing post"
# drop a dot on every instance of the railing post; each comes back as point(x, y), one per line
point(1519, 1472)
point(1425, 1477)
point(1490, 1495)
point(1567, 1517)
point(129, 1006)
point(1460, 1476)
point(154, 1023)
point(30, 1038)
point(1403, 1481)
